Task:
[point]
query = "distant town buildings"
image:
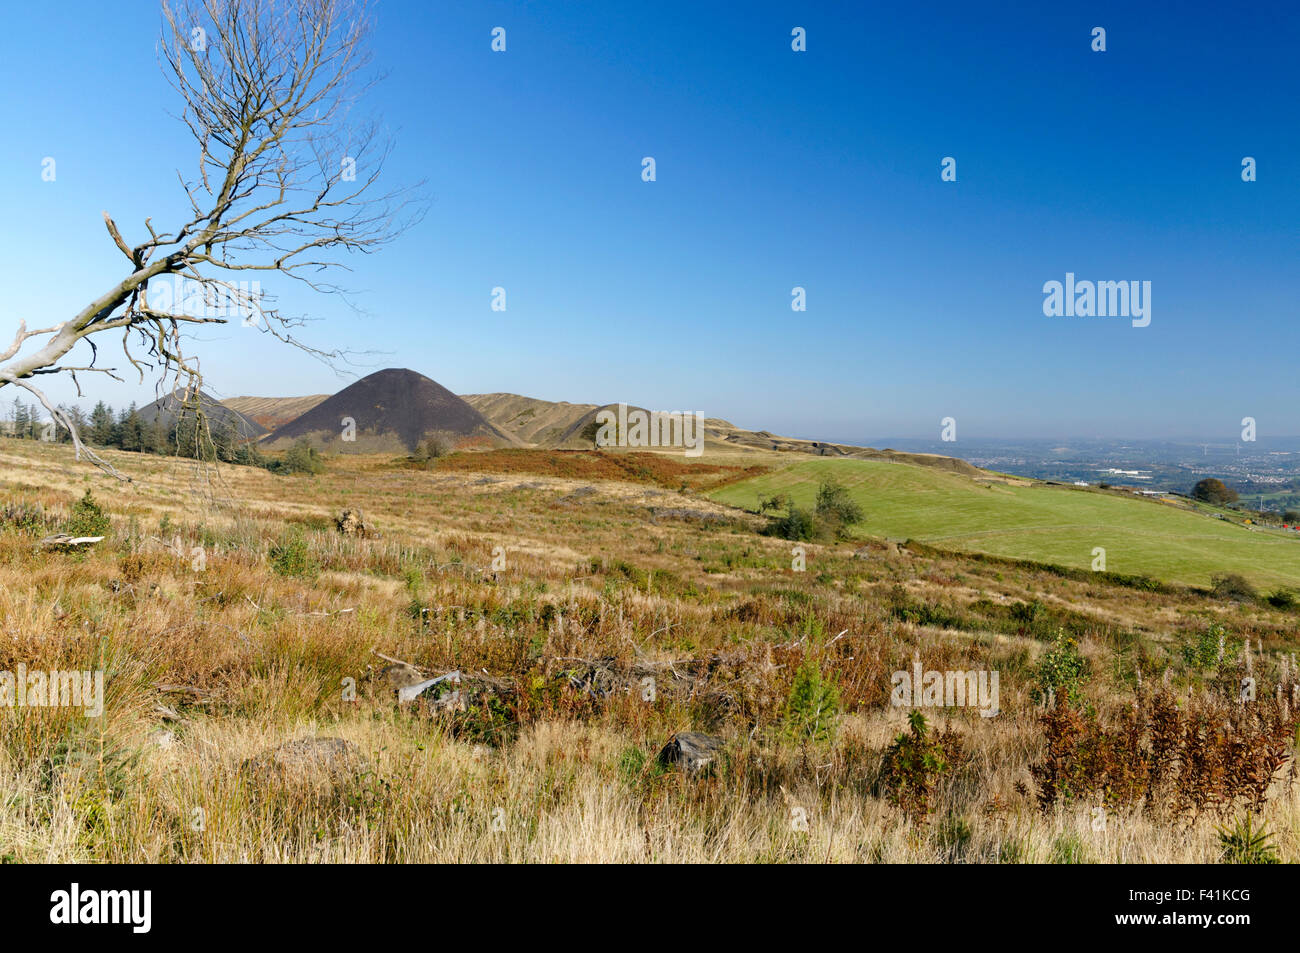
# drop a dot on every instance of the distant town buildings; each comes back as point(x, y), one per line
point(1133, 474)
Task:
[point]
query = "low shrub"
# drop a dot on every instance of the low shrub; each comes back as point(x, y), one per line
point(291, 556)
point(1232, 586)
point(914, 764)
point(1244, 843)
point(812, 711)
point(87, 519)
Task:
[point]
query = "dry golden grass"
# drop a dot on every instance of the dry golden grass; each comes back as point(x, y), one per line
point(602, 582)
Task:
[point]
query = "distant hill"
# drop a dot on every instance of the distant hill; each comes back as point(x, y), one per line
point(532, 421)
point(561, 425)
point(272, 412)
point(514, 420)
point(393, 410)
point(168, 408)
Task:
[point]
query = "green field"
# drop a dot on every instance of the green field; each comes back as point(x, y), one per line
point(1051, 524)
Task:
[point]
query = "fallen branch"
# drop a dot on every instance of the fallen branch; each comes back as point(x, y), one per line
point(412, 692)
point(389, 658)
point(63, 539)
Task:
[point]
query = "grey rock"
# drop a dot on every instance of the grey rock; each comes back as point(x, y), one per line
point(393, 678)
point(311, 761)
point(352, 523)
point(693, 751)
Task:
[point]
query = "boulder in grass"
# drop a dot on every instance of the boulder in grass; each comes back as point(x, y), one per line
point(309, 762)
point(407, 683)
point(352, 523)
point(391, 679)
point(693, 751)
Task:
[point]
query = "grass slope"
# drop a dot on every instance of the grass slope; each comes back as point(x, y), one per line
point(1043, 523)
point(213, 665)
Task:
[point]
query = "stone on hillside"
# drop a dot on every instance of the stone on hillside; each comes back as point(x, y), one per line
point(351, 523)
point(312, 761)
point(692, 750)
point(393, 678)
point(577, 496)
point(408, 683)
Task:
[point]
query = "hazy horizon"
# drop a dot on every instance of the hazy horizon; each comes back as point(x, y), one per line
point(815, 433)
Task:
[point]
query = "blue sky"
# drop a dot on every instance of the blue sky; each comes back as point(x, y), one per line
point(819, 169)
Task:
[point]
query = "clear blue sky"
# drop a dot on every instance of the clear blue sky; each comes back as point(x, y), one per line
point(775, 169)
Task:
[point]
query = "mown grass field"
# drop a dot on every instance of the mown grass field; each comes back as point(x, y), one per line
point(1049, 524)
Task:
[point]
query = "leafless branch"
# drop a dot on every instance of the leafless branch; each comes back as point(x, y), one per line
point(286, 183)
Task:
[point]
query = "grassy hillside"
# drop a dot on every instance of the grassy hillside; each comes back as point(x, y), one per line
point(532, 421)
point(592, 614)
point(272, 412)
point(1033, 521)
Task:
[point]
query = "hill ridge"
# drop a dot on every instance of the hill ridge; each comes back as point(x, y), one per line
point(517, 420)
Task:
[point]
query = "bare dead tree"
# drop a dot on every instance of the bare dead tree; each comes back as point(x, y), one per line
point(286, 182)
